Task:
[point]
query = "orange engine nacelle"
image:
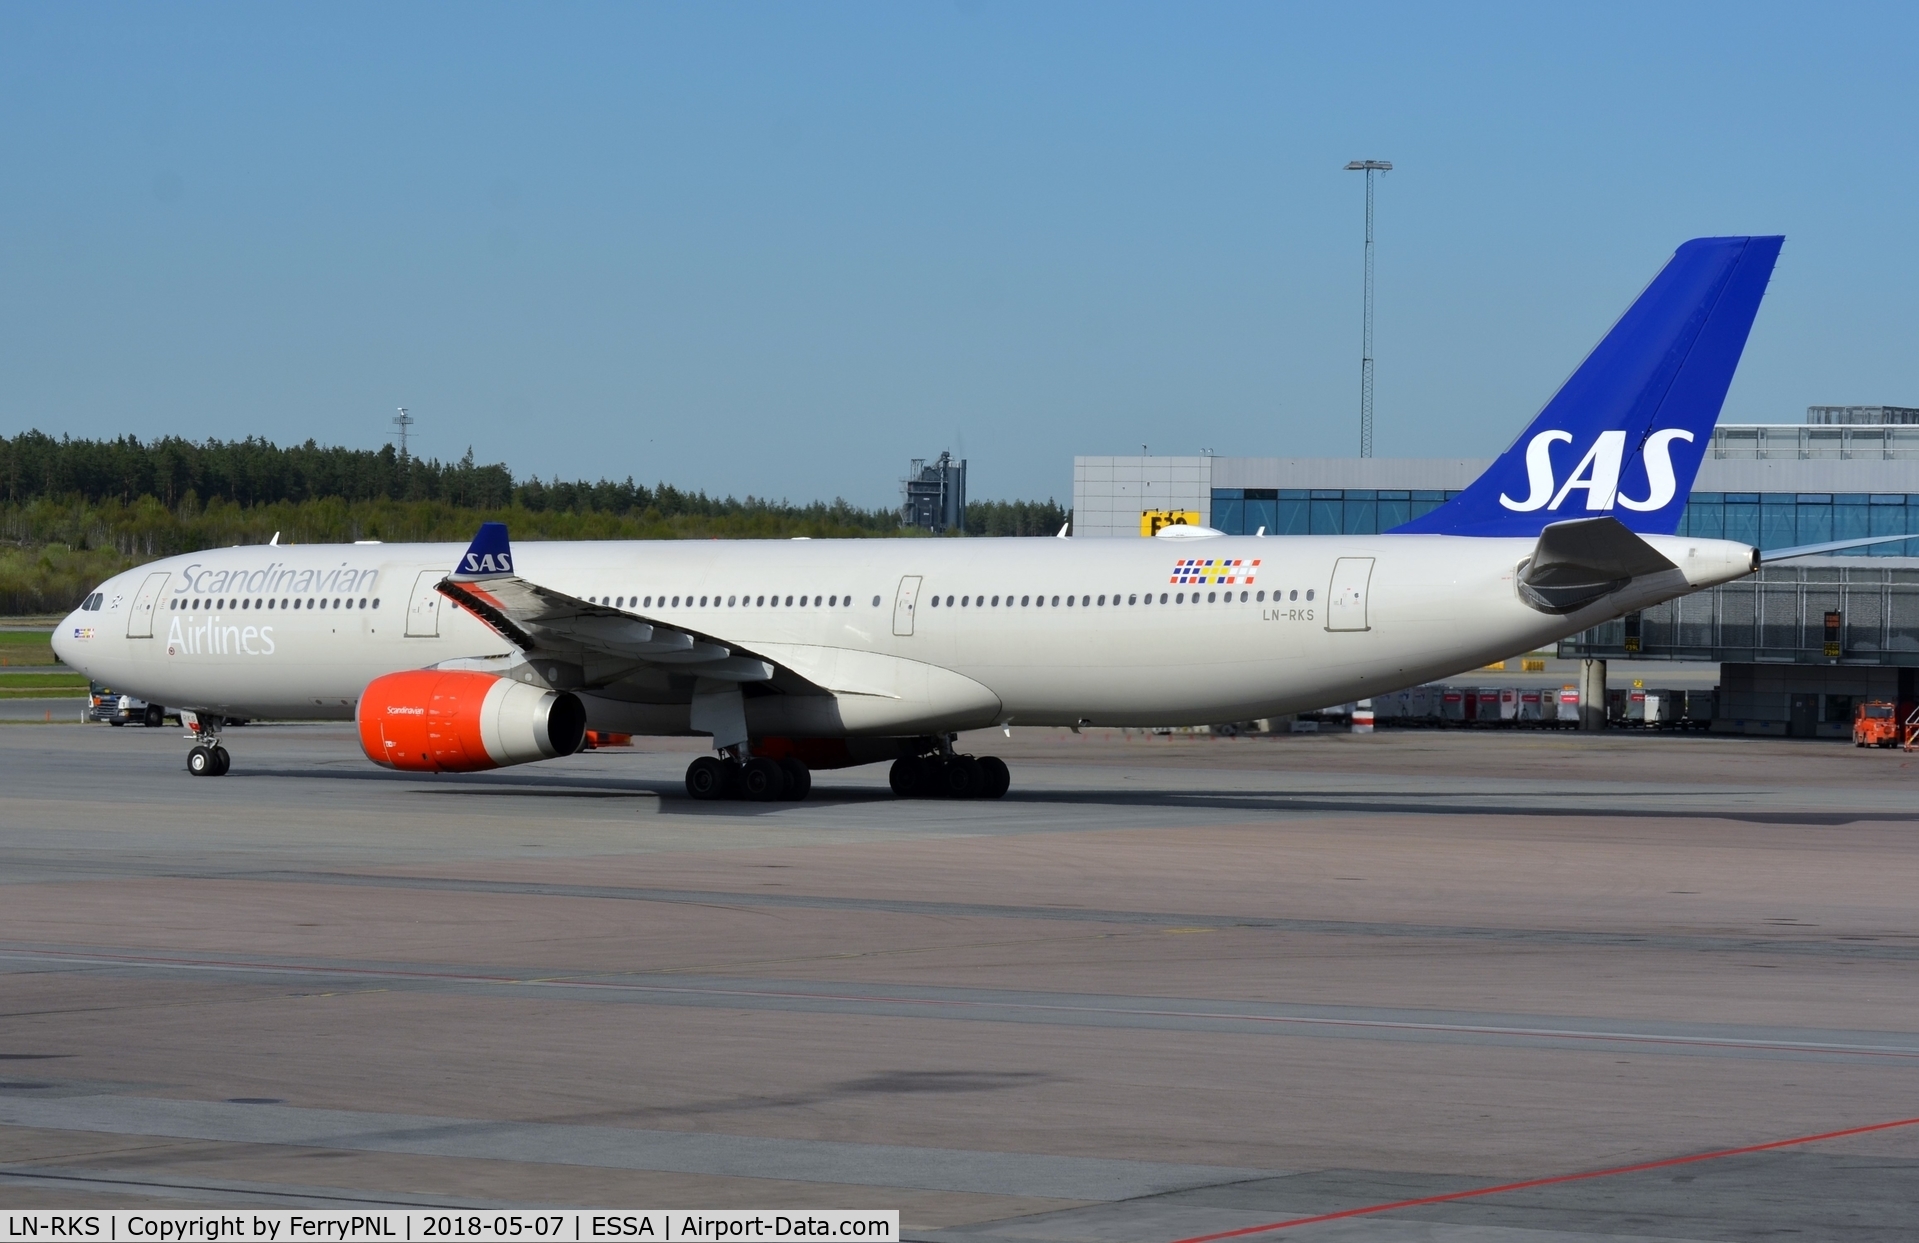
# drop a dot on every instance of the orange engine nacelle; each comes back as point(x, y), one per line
point(435, 721)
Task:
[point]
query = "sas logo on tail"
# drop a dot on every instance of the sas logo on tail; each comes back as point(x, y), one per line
point(487, 563)
point(1597, 474)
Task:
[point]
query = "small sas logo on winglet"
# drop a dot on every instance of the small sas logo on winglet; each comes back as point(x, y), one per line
point(1198, 571)
point(83, 632)
point(488, 563)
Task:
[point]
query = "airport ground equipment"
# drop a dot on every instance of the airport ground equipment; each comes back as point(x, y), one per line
point(109, 705)
point(1875, 723)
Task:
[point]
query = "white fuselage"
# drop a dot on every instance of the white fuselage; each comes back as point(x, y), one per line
point(280, 631)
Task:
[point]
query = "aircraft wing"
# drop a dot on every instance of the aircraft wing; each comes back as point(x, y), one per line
point(604, 642)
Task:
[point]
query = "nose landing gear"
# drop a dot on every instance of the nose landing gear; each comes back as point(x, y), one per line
point(207, 758)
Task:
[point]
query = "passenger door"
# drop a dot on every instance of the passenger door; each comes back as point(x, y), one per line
point(904, 604)
point(1346, 596)
point(423, 606)
point(140, 617)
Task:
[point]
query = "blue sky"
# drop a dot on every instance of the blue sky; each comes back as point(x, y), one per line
point(780, 249)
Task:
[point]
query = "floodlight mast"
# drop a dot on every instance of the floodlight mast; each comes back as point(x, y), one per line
point(1369, 167)
point(403, 421)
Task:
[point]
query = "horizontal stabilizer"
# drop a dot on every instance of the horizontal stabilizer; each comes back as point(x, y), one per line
point(1771, 555)
point(1577, 562)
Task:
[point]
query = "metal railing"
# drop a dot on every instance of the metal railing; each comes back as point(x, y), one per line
point(1792, 440)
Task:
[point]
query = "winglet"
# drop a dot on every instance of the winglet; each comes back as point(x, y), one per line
point(488, 556)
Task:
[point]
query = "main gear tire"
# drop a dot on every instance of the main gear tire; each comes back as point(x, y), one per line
point(799, 780)
point(762, 780)
point(995, 778)
point(706, 779)
point(960, 777)
point(908, 777)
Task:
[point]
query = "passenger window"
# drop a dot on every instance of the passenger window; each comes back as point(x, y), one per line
point(936, 601)
point(703, 601)
point(1129, 599)
point(876, 601)
point(1211, 596)
point(1262, 597)
point(1162, 597)
point(1309, 593)
point(833, 602)
point(1180, 598)
point(1024, 600)
point(362, 601)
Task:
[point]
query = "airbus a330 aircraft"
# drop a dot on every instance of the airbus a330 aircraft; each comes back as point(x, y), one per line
point(795, 655)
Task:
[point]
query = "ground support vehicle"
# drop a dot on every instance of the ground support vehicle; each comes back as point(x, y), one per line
point(106, 704)
point(1875, 723)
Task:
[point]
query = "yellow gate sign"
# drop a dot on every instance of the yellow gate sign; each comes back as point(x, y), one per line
point(1152, 521)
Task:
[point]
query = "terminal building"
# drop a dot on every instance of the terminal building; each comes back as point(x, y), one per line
point(1787, 666)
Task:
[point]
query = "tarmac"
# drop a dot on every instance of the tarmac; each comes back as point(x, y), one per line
point(1167, 988)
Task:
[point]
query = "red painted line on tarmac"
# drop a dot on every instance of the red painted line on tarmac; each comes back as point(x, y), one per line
point(1667, 1163)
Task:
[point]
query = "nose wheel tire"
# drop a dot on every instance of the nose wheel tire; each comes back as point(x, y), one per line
point(204, 761)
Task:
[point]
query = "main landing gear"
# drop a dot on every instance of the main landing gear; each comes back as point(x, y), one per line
point(949, 776)
point(759, 779)
point(207, 758)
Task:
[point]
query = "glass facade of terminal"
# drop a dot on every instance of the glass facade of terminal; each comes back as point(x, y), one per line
point(1764, 519)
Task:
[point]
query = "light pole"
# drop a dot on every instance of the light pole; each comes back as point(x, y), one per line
point(1369, 167)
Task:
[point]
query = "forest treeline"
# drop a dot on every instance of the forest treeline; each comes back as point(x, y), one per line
point(73, 512)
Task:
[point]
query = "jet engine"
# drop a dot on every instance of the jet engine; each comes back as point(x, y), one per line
point(435, 721)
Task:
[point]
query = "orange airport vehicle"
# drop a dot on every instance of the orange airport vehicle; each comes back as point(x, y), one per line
point(1875, 723)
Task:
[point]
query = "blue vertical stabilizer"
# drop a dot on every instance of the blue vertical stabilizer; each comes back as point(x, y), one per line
point(1625, 435)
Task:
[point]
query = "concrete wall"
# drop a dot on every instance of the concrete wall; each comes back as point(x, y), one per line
point(1110, 493)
